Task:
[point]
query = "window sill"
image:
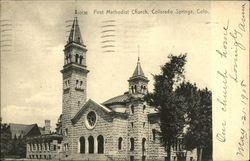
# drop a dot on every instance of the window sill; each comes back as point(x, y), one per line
point(78, 89)
point(66, 90)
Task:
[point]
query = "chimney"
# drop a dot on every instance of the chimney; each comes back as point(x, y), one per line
point(47, 127)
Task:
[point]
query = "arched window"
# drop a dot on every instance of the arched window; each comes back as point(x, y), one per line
point(69, 58)
point(142, 89)
point(145, 89)
point(91, 144)
point(132, 89)
point(81, 59)
point(77, 83)
point(143, 144)
point(135, 88)
point(82, 144)
point(81, 85)
point(66, 60)
point(154, 132)
point(76, 58)
point(144, 107)
point(100, 141)
point(132, 144)
point(66, 132)
point(120, 143)
point(132, 109)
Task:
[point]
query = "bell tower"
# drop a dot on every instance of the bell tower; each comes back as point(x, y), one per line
point(74, 74)
point(138, 83)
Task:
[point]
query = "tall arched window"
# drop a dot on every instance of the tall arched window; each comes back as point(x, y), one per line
point(132, 109)
point(120, 143)
point(91, 144)
point(154, 132)
point(142, 89)
point(82, 144)
point(100, 141)
point(135, 88)
point(132, 89)
point(132, 144)
point(143, 144)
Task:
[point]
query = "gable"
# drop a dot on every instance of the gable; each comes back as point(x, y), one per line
point(33, 131)
point(90, 104)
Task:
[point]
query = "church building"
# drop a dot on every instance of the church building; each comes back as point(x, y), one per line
point(124, 127)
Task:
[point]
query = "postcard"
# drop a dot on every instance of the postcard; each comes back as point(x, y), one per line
point(125, 80)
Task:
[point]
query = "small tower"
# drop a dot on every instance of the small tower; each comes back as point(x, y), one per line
point(137, 118)
point(138, 83)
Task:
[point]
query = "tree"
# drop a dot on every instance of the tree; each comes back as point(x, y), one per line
point(200, 125)
point(169, 105)
point(5, 140)
point(21, 147)
point(198, 118)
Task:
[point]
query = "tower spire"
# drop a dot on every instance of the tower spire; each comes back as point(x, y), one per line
point(138, 46)
point(138, 82)
point(75, 34)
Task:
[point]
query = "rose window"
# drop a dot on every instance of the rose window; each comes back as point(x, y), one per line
point(91, 118)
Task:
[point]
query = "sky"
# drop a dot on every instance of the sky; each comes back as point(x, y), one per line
point(33, 35)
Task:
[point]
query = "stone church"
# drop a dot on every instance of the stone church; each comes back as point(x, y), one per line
point(124, 127)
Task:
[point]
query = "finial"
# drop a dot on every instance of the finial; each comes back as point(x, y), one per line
point(138, 46)
point(75, 8)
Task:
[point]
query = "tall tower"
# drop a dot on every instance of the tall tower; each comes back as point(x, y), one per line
point(138, 83)
point(74, 74)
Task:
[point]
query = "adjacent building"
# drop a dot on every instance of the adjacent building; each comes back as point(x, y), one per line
point(46, 146)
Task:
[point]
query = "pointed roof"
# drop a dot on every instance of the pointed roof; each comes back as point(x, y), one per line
point(75, 34)
point(138, 73)
point(138, 70)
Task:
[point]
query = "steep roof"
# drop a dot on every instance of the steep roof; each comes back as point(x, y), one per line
point(20, 129)
point(138, 70)
point(75, 34)
point(138, 73)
